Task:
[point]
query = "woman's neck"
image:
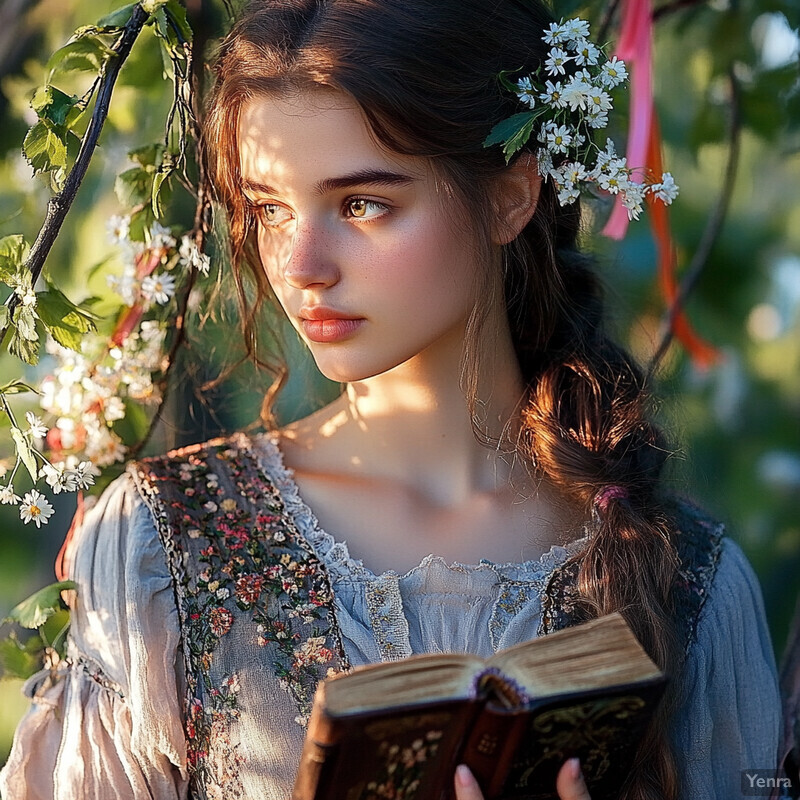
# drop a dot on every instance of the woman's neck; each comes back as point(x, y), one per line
point(412, 424)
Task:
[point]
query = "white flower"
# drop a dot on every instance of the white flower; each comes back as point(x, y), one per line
point(7, 496)
point(598, 100)
point(576, 93)
point(556, 61)
point(613, 73)
point(37, 429)
point(118, 229)
point(632, 197)
point(554, 34)
point(160, 237)
point(59, 479)
point(557, 138)
point(552, 94)
point(192, 257)
point(114, 409)
point(667, 190)
point(571, 173)
point(103, 446)
point(576, 29)
point(586, 53)
point(27, 295)
point(607, 155)
point(596, 118)
point(159, 288)
point(525, 92)
point(35, 508)
point(125, 285)
point(567, 195)
point(85, 474)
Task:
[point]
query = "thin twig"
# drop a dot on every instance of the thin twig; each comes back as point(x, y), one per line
point(605, 22)
point(712, 230)
point(675, 5)
point(61, 203)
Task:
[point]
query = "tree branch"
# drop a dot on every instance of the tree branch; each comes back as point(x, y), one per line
point(712, 230)
point(61, 203)
point(202, 210)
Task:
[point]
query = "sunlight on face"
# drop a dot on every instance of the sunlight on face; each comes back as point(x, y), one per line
point(356, 242)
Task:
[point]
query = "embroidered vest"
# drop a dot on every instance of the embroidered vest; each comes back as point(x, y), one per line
point(249, 589)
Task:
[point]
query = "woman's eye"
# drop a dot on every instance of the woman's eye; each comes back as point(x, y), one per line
point(360, 207)
point(272, 215)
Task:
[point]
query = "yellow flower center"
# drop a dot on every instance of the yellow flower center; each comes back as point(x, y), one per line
point(34, 511)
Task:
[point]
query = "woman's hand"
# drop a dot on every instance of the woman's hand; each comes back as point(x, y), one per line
point(569, 783)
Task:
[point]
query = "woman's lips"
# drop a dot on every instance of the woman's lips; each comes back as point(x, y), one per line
point(329, 330)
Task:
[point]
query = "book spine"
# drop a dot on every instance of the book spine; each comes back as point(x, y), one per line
point(313, 760)
point(490, 748)
point(319, 749)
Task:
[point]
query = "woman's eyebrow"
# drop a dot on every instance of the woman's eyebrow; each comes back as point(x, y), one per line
point(373, 177)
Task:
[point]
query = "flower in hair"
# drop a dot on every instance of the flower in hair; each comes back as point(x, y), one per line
point(568, 99)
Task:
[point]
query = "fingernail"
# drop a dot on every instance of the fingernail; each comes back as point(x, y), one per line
point(575, 768)
point(464, 776)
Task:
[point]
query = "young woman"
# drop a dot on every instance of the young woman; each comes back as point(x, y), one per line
point(488, 474)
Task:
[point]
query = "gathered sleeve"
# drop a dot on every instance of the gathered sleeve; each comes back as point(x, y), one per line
point(107, 722)
point(729, 713)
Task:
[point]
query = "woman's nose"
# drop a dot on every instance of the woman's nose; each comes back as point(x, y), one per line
point(310, 259)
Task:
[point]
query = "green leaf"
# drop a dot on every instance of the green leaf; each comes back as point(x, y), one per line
point(53, 631)
point(26, 350)
point(161, 190)
point(25, 320)
point(177, 14)
point(134, 187)
point(512, 133)
point(148, 155)
point(63, 319)
point(21, 660)
point(13, 254)
point(86, 54)
point(17, 387)
point(40, 606)
point(118, 18)
point(24, 452)
point(54, 105)
point(44, 147)
point(134, 425)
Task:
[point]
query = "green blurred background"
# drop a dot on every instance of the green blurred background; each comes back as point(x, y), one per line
point(736, 426)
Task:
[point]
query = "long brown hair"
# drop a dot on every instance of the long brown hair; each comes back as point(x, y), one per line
point(424, 74)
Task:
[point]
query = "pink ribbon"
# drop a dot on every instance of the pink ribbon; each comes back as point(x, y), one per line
point(635, 48)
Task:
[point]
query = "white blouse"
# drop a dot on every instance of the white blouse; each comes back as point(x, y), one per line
point(112, 728)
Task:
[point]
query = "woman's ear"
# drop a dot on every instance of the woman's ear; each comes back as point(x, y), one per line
point(516, 193)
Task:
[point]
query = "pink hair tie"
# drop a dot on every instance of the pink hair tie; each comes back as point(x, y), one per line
point(607, 494)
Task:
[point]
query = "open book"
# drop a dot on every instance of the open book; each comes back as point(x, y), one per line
point(398, 729)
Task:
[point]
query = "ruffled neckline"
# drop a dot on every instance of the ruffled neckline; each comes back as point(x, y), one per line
point(336, 555)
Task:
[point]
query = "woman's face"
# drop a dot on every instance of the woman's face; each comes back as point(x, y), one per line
point(356, 243)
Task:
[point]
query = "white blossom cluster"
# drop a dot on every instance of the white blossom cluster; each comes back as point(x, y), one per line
point(157, 286)
point(88, 392)
point(65, 476)
point(86, 396)
point(569, 98)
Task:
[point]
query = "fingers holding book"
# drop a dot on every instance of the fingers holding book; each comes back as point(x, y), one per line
point(569, 784)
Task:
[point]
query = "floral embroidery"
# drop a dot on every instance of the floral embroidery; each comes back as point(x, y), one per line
point(402, 769)
point(239, 564)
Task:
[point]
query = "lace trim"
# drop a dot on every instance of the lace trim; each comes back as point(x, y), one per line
point(336, 554)
point(387, 619)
